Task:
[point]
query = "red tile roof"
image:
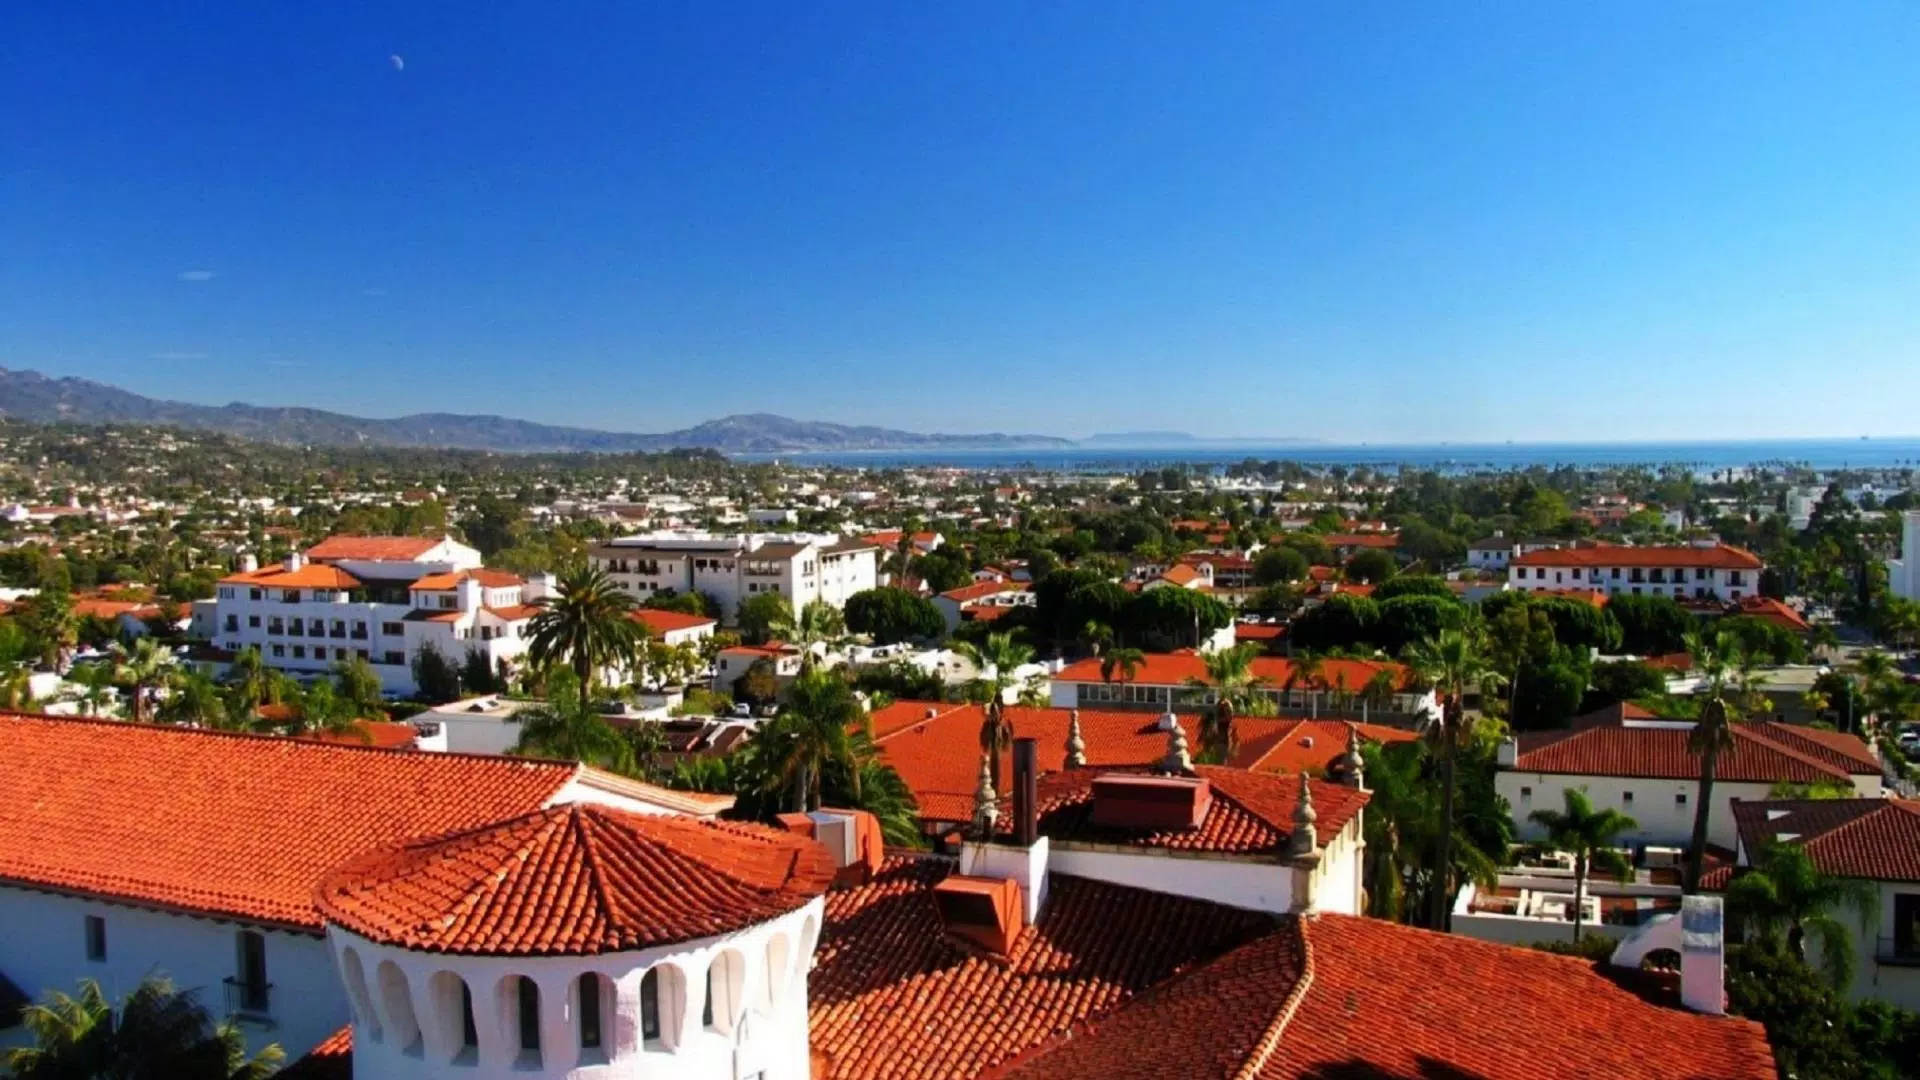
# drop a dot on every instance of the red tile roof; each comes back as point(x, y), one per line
point(980, 589)
point(514, 612)
point(666, 622)
point(1293, 747)
point(230, 825)
point(1381, 540)
point(1877, 839)
point(891, 996)
point(1251, 813)
point(488, 579)
point(1718, 557)
point(310, 576)
point(331, 1060)
point(1775, 612)
point(1181, 574)
point(576, 880)
point(380, 733)
point(1174, 669)
point(373, 548)
point(1599, 745)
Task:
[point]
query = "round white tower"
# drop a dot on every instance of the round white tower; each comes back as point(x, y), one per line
point(581, 942)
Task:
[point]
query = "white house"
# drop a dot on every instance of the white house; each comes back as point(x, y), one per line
point(1871, 840)
point(1705, 569)
point(983, 600)
point(382, 599)
point(731, 568)
point(1627, 759)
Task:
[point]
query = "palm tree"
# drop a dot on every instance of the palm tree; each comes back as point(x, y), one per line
point(96, 687)
point(1589, 835)
point(359, 686)
point(1236, 689)
point(815, 729)
point(586, 624)
point(156, 1033)
point(565, 726)
point(1124, 662)
point(1822, 638)
point(1452, 662)
point(1305, 668)
point(1725, 692)
point(250, 677)
point(1785, 891)
point(193, 699)
point(818, 624)
point(1401, 819)
point(139, 668)
point(1001, 655)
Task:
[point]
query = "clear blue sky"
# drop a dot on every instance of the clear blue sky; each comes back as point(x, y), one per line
point(1356, 222)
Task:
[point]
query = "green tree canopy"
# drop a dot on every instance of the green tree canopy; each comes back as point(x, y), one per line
point(890, 615)
point(1279, 564)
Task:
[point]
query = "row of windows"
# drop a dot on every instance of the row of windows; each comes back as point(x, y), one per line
point(320, 653)
point(1626, 797)
point(248, 988)
point(1656, 575)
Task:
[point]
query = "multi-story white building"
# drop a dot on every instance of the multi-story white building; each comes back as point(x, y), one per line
point(382, 599)
point(732, 568)
point(1702, 570)
point(1903, 573)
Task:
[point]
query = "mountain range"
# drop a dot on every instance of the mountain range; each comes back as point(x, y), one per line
point(36, 398)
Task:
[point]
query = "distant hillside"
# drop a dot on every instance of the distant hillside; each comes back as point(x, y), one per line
point(35, 398)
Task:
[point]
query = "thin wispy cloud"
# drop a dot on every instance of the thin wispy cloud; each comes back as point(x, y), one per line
point(399, 62)
point(196, 275)
point(177, 356)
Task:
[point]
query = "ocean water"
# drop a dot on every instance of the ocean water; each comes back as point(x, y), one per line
point(1705, 457)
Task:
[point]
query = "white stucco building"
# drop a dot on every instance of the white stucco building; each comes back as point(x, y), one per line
point(1629, 760)
point(730, 568)
point(1903, 572)
point(382, 599)
point(1704, 570)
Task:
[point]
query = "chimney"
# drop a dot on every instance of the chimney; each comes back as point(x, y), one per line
point(248, 562)
point(1703, 955)
point(1508, 755)
point(852, 837)
point(295, 560)
point(1026, 824)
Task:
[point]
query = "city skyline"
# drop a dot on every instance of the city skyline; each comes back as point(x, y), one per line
point(1385, 226)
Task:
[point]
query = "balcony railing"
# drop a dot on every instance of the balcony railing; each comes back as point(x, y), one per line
point(249, 1000)
point(1898, 953)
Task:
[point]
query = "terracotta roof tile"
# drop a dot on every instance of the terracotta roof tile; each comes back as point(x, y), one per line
point(310, 576)
point(1718, 557)
point(1861, 838)
point(1251, 813)
point(236, 825)
point(331, 1060)
point(892, 997)
point(489, 579)
point(1600, 745)
point(981, 589)
point(373, 548)
point(665, 622)
point(575, 880)
point(1174, 669)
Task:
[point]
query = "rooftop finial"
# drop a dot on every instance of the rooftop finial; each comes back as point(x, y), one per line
point(986, 805)
point(1178, 760)
point(1304, 839)
point(1076, 746)
point(1350, 768)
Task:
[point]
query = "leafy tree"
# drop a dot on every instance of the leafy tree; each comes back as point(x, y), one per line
point(477, 675)
point(437, 677)
point(1579, 625)
point(1765, 642)
point(686, 603)
point(155, 1033)
point(1315, 549)
point(586, 624)
point(1549, 690)
point(814, 729)
point(902, 680)
point(1172, 617)
point(762, 613)
point(1275, 600)
point(944, 568)
point(1371, 565)
point(1622, 680)
point(50, 623)
point(567, 727)
point(1454, 662)
point(1278, 565)
point(1343, 621)
point(1415, 617)
point(1785, 897)
point(1815, 1031)
point(1650, 625)
point(1402, 826)
point(359, 686)
point(193, 699)
point(891, 615)
point(1413, 585)
point(758, 685)
point(140, 668)
point(1588, 834)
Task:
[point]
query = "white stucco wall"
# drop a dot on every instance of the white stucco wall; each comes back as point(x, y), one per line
point(1655, 805)
point(407, 1025)
point(43, 947)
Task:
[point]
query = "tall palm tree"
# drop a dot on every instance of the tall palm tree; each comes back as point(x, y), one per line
point(565, 726)
point(1724, 693)
point(1786, 893)
point(1588, 834)
point(250, 677)
point(1001, 655)
point(193, 699)
point(585, 624)
point(1236, 689)
point(1305, 668)
point(155, 1033)
point(1125, 663)
point(141, 667)
point(1453, 661)
point(1402, 817)
point(816, 729)
point(818, 624)
point(96, 686)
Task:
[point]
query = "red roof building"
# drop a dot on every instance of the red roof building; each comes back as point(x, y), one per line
point(1683, 571)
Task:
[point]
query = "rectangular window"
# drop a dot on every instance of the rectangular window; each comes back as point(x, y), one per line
point(280, 650)
point(1626, 798)
point(253, 594)
point(391, 657)
point(299, 652)
point(1526, 793)
point(96, 938)
point(392, 629)
point(1680, 798)
point(253, 621)
point(1906, 924)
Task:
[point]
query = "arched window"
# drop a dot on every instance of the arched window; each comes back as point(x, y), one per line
point(355, 976)
point(450, 1016)
point(779, 967)
point(589, 991)
point(397, 1000)
point(527, 1006)
point(650, 1005)
point(726, 986)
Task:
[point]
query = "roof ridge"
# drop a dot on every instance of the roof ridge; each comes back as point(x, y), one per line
point(1270, 1041)
point(951, 708)
point(596, 882)
point(1747, 730)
